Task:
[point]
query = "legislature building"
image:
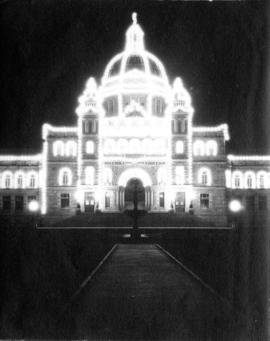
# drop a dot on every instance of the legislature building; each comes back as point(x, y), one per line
point(134, 129)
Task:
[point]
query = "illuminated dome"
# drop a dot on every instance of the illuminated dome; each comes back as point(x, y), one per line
point(135, 69)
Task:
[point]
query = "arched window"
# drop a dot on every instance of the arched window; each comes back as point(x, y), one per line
point(158, 106)
point(250, 181)
point(7, 179)
point(65, 177)
point(109, 146)
point(204, 176)
point(211, 148)
point(32, 180)
point(162, 176)
point(134, 146)
point(122, 146)
point(179, 175)
point(147, 146)
point(262, 179)
point(199, 149)
point(90, 147)
point(237, 179)
point(107, 176)
point(71, 148)
point(19, 179)
point(58, 148)
point(179, 147)
point(89, 175)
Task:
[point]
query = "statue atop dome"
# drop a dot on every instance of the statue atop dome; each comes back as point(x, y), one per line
point(134, 36)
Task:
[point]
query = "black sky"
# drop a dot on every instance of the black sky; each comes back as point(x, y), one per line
point(49, 48)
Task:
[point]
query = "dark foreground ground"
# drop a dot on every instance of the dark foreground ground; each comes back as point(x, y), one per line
point(141, 293)
point(41, 269)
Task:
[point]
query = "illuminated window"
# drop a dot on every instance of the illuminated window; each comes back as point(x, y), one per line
point(7, 180)
point(211, 148)
point(89, 175)
point(58, 148)
point(107, 176)
point(109, 146)
point(134, 146)
point(198, 148)
point(162, 176)
point(158, 106)
point(19, 180)
point(262, 179)
point(154, 68)
point(161, 199)
point(250, 180)
point(111, 106)
point(32, 180)
point(71, 148)
point(87, 126)
point(237, 179)
point(204, 177)
point(147, 146)
point(122, 146)
point(179, 147)
point(108, 199)
point(115, 69)
point(90, 147)
point(179, 175)
point(64, 200)
point(204, 200)
point(65, 177)
point(135, 62)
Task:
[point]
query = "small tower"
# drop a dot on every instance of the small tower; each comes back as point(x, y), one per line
point(182, 113)
point(88, 146)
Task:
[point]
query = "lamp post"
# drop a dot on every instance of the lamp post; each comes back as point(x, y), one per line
point(33, 207)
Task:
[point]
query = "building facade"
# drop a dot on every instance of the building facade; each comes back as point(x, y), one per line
point(134, 130)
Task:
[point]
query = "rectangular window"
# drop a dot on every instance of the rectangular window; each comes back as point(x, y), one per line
point(31, 198)
point(64, 200)
point(7, 202)
point(18, 202)
point(107, 200)
point(161, 199)
point(250, 204)
point(262, 202)
point(204, 200)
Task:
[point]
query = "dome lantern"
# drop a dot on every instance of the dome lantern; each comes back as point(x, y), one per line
point(134, 36)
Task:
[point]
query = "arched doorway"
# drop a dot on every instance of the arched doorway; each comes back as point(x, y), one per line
point(126, 179)
point(134, 191)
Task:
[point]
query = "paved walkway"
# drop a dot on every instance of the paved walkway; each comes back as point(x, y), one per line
point(140, 293)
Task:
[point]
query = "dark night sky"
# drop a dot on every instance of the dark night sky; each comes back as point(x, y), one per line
point(50, 47)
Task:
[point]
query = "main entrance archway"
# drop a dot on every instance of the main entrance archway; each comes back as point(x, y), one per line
point(134, 189)
point(127, 182)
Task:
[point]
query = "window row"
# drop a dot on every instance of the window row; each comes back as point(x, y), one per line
point(135, 146)
point(19, 179)
point(202, 148)
point(61, 148)
point(18, 202)
point(248, 179)
point(89, 126)
point(179, 126)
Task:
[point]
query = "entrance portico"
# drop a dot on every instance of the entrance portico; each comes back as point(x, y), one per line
point(126, 184)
